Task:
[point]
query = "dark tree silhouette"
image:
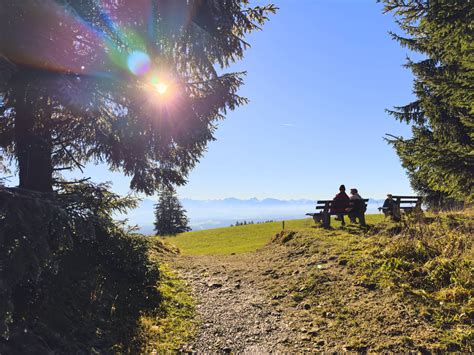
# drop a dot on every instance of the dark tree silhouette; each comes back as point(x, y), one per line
point(170, 216)
point(438, 156)
point(136, 84)
point(70, 92)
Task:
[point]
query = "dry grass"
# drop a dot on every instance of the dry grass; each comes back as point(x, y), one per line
point(431, 262)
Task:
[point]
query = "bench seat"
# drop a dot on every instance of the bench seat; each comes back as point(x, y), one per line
point(324, 216)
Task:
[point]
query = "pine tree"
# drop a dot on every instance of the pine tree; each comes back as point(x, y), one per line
point(439, 155)
point(170, 217)
point(70, 96)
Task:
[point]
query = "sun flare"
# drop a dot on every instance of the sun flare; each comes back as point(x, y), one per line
point(159, 84)
point(161, 88)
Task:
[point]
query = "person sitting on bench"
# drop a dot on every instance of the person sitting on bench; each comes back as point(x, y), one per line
point(388, 206)
point(358, 207)
point(340, 203)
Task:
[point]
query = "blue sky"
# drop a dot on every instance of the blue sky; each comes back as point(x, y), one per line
point(320, 75)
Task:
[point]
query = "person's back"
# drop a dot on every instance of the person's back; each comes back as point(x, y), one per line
point(341, 201)
point(358, 203)
point(391, 208)
point(358, 207)
point(388, 204)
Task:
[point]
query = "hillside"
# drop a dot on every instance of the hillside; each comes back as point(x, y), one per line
point(389, 288)
point(239, 239)
point(207, 214)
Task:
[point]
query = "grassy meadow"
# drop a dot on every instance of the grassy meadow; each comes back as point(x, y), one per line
point(242, 239)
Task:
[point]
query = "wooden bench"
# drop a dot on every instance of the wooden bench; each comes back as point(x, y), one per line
point(324, 216)
point(407, 204)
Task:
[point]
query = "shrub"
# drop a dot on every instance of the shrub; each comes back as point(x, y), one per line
point(71, 279)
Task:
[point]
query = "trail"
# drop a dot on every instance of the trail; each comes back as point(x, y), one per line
point(234, 310)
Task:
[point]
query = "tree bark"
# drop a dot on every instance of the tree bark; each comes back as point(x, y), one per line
point(32, 138)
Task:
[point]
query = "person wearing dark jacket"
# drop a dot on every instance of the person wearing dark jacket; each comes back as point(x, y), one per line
point(388, 206)
point(391, 208)
point(340, 204)
point(358, 208)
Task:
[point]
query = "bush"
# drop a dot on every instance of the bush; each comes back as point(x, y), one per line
point(71, 280)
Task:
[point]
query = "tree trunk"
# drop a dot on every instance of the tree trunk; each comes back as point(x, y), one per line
point(32, 138)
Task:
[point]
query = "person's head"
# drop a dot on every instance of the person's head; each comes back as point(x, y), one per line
point(342, 188)
point(354, 191)
point(389, 196)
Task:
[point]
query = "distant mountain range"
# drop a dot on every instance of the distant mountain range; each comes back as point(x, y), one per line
point(206, 214)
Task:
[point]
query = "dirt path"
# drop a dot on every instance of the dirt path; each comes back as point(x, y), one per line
point(233, 306)
point(300, 297)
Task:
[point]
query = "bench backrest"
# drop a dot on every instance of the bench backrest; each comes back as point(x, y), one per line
point(326, 204)
point(407, 200)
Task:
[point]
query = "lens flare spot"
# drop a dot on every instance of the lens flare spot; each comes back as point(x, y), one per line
point(139, 63)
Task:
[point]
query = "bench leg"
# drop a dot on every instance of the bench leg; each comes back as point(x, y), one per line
point(362, 219)
point(326, 220)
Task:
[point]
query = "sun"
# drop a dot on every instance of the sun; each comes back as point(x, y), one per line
point(161, 88)
point(159, 84)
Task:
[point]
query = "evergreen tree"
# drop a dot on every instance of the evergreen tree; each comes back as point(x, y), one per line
point(439, 155)
point(71, 91)
point(170, 217)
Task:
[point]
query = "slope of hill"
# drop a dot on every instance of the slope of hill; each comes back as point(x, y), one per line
point(239, 239)
point(392, 287)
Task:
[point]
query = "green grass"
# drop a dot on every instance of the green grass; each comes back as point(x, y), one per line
point(241, 239)
point(173, 323)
